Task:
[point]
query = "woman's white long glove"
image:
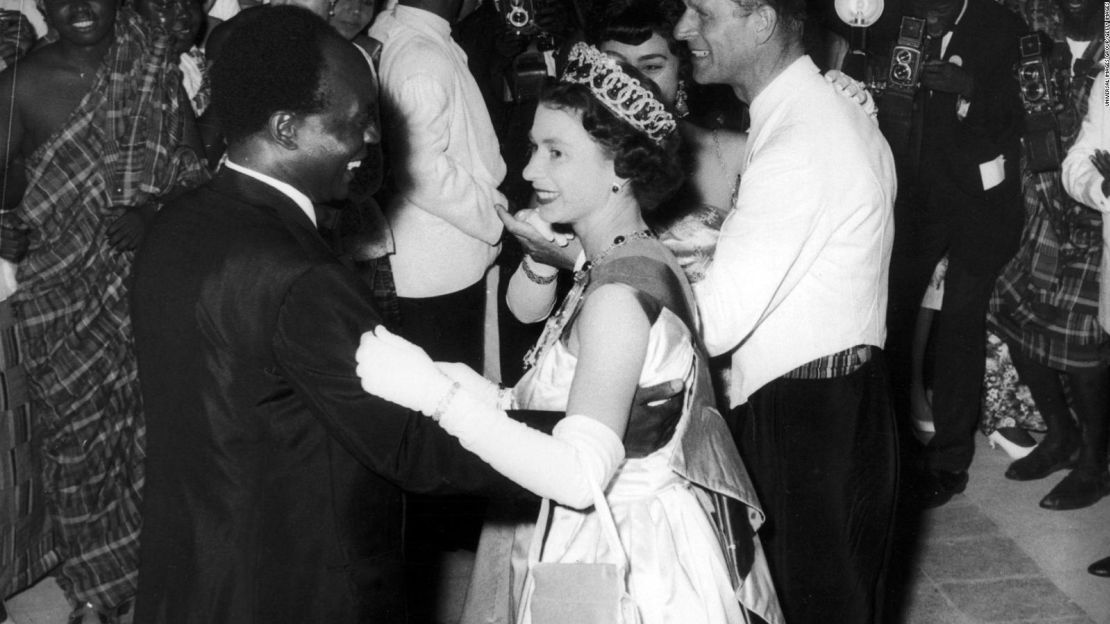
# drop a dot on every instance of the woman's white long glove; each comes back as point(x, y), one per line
point(399, 371)
point(559, 466)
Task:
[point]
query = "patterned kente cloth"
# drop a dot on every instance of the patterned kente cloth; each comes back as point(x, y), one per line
point(1046, 299)
point(27, 549)
point(120, 147)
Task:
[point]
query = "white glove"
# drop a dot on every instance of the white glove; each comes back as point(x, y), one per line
point(482, 389)
point(399, 371)
point(559, 466)
point(853, 90)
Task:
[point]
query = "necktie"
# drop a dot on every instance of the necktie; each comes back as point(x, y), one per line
point(932, 47)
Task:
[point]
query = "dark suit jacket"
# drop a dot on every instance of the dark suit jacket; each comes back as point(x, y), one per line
point(273, 481)
point(982, 222)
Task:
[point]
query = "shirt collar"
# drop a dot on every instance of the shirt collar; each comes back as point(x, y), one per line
point(299, 198)
point(780, 89)
point(961, 15)
point(946, 38)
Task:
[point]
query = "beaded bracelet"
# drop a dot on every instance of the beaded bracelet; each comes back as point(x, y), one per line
point(534, 277)
point(445, 401)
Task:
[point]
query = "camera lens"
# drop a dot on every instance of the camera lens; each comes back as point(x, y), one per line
point(1031, 73)
point(1033, 91)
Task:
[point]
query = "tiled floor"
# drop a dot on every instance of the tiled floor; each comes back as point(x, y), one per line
point(993, 555)
point(990, 555)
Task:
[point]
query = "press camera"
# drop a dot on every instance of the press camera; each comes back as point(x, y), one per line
point(903, 77)
point(1038, 96)
point(907, 56)
point(519, 16)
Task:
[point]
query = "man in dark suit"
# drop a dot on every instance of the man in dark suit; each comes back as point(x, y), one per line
point(959, 194)
point(273, 480)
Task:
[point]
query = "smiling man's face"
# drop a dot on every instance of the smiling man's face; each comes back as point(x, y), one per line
point(1081, 15)
point(721, 38)
point(82, 22)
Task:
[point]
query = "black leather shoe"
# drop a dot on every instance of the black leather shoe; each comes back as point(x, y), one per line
point(1044, 460)
point(1081, 488)
point(939, 486)
point(1100, 567)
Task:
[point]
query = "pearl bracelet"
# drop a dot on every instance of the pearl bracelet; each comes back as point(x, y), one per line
point(445, 401)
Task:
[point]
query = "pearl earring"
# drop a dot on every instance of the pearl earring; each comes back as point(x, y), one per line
point(616, 188)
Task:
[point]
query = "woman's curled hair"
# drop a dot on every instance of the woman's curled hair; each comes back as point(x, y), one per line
point(653, 169)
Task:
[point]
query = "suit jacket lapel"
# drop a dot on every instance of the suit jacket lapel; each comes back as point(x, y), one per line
point(271, 201)
point(964, 34)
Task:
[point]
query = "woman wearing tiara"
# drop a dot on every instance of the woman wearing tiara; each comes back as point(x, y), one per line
point(684, 512)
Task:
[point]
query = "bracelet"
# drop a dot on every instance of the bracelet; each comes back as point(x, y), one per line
point(534, 277)
point(445, 401)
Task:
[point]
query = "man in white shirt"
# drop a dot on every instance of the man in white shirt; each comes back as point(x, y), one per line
point(797, 294)
point(447, 166)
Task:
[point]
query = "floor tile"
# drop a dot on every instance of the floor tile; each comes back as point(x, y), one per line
point(983, 557)
point(926, 604)
point(959, 521)
point(1007, 600)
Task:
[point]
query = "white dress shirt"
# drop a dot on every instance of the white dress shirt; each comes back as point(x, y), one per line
point(1083, 182)
point(800, 269)
point(224, 9)
point(446, 154)
point(298, 197)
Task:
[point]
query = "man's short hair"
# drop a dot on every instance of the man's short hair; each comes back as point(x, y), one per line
point(792, 13)
point(271, 62)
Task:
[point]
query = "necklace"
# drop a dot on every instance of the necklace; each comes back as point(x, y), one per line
point(617, 242)
point(562, 318)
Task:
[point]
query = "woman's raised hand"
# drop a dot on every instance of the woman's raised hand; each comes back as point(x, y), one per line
point(853, 90)
point(1101, 161)
point(542, 243)
point(399, 371)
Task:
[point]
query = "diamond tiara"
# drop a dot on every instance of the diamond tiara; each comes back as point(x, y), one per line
point(617, 91)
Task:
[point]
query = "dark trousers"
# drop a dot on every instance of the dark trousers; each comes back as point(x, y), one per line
point(958, 366)
point(450, 329)
point(823, 457)
point(978, 237)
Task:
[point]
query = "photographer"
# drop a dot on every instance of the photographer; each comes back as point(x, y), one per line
point(958, 194)
point(1045, 303)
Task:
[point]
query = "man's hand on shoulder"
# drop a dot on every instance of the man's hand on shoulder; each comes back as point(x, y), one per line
point(126, 233)
point(655, 413)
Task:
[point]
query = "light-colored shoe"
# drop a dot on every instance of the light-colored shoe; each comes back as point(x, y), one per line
point(1013, 449)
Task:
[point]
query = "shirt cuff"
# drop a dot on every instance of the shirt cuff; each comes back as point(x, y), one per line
point(963, 105)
